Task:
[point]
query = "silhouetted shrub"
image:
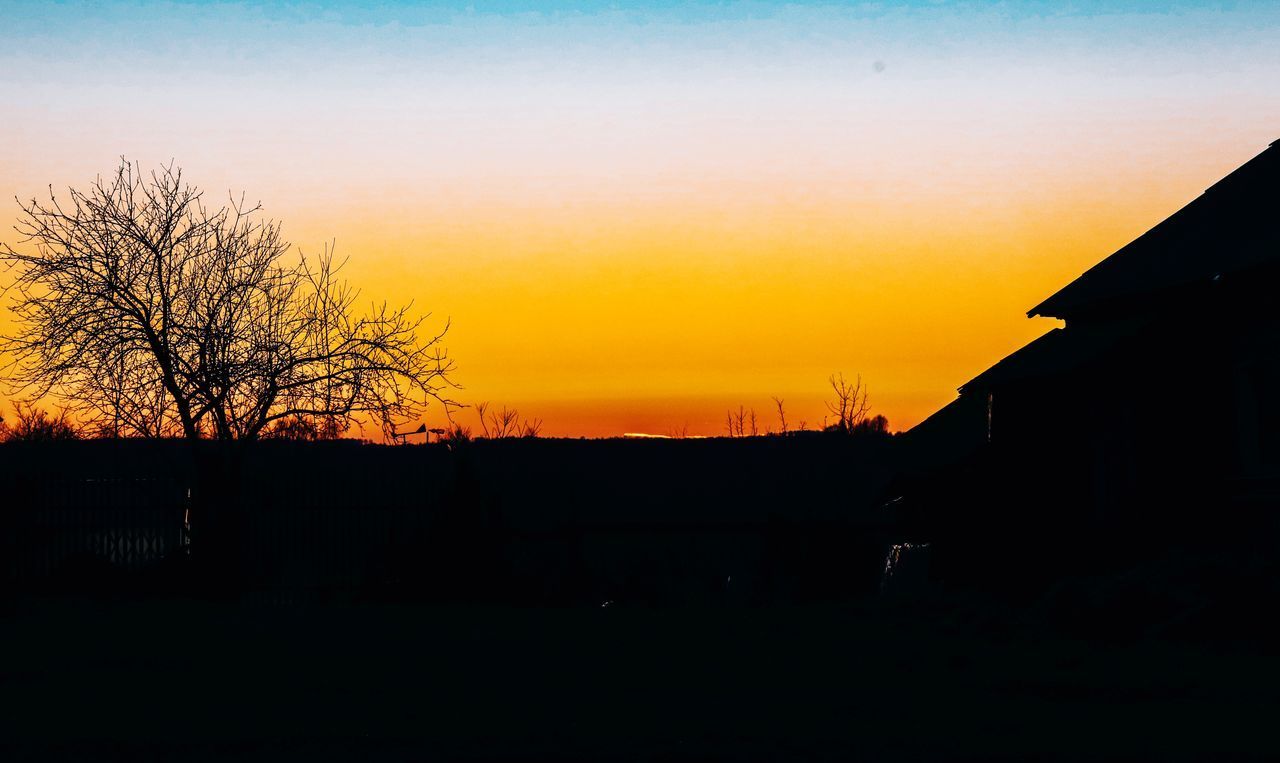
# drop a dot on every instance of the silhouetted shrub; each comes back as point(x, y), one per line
point(877, 424)
point(305, 428)
point(32, 424)
point(454, 434)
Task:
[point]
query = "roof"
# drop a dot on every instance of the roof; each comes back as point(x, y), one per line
point(1233, 226)
point(949, 435)
point(1059, 351)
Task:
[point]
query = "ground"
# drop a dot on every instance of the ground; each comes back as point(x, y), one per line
point(195, 680)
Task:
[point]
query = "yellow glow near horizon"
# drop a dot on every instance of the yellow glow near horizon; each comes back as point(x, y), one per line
point(650, 316)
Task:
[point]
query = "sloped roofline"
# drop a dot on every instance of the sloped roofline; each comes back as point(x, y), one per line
point(1103, 281)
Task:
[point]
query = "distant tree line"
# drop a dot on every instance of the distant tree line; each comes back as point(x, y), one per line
point(849, 413)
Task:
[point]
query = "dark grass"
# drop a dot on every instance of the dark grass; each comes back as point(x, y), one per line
point(933, 680)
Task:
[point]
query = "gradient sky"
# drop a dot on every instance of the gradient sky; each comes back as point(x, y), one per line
point(640, 214)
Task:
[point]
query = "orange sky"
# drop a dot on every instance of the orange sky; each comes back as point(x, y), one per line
point(606, 312)
point(662, 221)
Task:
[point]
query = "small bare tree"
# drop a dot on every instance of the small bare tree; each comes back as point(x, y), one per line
point(742, 422)
point(151, 314)
point(782, 415)
point(849, 405)
point(505, 423)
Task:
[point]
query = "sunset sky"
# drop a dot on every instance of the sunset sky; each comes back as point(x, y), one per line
point(640, 214)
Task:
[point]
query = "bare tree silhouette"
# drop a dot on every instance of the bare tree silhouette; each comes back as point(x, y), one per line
point(742, 422)
point(151, 314)
point(849, 405)
point(505, 423)
point(782, 414)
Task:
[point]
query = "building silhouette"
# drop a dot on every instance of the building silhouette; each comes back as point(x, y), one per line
point(1153, 414)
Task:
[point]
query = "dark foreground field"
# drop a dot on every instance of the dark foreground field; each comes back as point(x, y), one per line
point(189, 680)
